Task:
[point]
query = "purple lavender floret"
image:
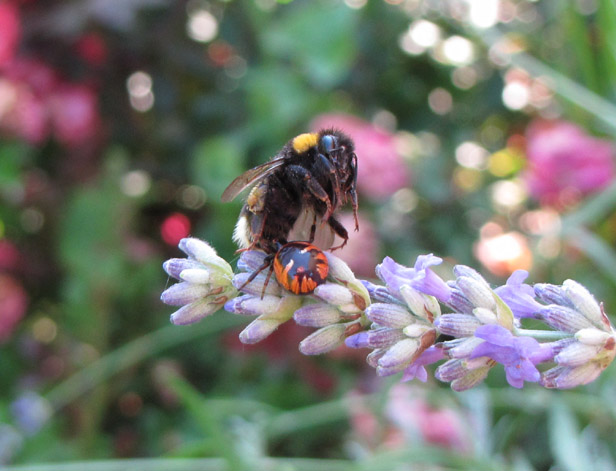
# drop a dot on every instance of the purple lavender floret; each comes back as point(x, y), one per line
point(519, 296)
point(518, 355)
point(418, 277)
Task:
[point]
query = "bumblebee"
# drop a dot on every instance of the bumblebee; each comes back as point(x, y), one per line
point(308, 180)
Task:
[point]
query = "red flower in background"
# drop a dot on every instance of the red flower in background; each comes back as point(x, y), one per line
point(10, 31)
point(381, 169)
point(93, 49)
point(565, 163)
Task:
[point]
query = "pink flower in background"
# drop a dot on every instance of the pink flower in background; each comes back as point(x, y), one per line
point(10, 31)
point(362, 251)
point(13, 304)
point(74, 114)
point(412, 413)
point(22, 113)
point(38, 76)
point(565, 163)
point(409, 419)
point(34, 102)
point(381, 169)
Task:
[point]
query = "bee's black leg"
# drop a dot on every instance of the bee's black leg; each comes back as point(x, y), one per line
point(267, 262)
point(313, 228)
point(339, 229)
point(305, 180)
point(267, 279)
point(326, 166)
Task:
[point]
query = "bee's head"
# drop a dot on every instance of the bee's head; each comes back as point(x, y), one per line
point(328, 143)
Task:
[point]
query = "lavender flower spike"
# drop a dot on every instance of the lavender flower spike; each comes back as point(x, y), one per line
point(401, 321)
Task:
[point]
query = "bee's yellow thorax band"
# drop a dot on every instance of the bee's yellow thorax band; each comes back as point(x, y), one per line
point(303, 142)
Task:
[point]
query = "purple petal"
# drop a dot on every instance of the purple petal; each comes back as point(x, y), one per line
point(495, 334)
point(431, 284)
point(519, 297)
point(359, 340)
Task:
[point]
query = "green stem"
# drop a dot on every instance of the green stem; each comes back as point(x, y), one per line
point(541, 334)
point(131, 354)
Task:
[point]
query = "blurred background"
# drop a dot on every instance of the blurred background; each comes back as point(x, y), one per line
point(484, 132)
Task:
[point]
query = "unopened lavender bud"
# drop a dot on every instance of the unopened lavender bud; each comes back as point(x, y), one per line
point(457, 325)
point(251, 260)
point(338, 269)
point(450, 371)
point(184, 293)
point(564, 318)
point(390, 315)
point(485, 316)
point(255, 287)
point(373, 357)
point(460, 375)
point(421, 305)
point(258, 330)
point(551, 294)
point(323, 340)
point(477, 292)
point(359, 340)
point(461, 348)
point(471, 379)
point(197, 249)
point(577, 354)
point(380, 293)
point(175, 266)
point(566, 377)
point(459, 302)
point(193, 312)
point(584, 302)
point(416, 330)
point(195, 275)
point(249, 305)
point(592, 336)
point(334, 294)
point(316, 315)
point(400, 354)
point(383, 337)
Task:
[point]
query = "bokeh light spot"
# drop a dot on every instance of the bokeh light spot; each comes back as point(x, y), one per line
point(191, 196)
point(139, 86)
point(458, 50)
point(516, 95)
point(202, 26)
point(175, 228)
point(472, 155)
point(440, 101)
point(44, 330)
point(32, 220)
point(136, 183)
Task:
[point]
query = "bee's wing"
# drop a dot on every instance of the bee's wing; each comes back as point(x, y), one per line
point(324, 235)
point(249, 177)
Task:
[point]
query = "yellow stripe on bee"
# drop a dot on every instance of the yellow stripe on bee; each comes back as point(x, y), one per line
point(303, 142)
